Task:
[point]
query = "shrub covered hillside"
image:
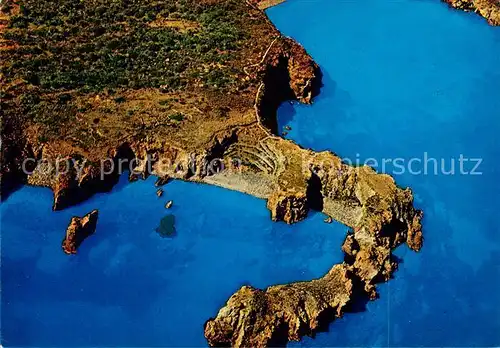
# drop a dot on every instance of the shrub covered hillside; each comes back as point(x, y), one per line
point(55, 53)
point(94, 44)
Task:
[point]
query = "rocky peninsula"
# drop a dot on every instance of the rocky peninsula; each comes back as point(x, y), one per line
point(190, 91)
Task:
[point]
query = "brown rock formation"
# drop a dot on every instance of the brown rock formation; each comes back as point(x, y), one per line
point(78, 230)
point(256, 318)
point(289, 208)
point(489, 9)
point(289, 74)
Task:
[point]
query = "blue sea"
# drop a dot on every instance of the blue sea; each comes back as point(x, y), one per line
point(407, 79)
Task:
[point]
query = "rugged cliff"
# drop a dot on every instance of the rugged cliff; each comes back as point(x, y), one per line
point(256, 318)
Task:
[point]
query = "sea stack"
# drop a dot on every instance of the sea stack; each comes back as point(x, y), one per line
point(78, 230)
point(161, 181)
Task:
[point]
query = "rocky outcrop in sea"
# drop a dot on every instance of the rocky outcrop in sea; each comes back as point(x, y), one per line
point(79, 229)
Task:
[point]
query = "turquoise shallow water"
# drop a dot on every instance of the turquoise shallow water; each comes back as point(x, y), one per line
point(401, 78)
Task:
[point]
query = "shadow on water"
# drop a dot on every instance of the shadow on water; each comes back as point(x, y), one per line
point(313, 193)
point(286, 114)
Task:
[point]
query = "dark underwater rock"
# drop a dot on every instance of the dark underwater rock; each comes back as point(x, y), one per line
point(167, 227)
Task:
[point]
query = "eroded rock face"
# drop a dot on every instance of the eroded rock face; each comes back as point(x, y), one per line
point(288, 207)
point(78, 230)
point(73, 178)
point(289, 73)
point(13, 150)
point(489, 9)
point(257, 318)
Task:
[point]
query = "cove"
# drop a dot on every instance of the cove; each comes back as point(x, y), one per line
point(128, 286)
point(402, 78)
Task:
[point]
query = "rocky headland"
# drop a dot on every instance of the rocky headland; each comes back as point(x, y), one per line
point(381, 216)
point(79, 229)
point(489, 9)
point(212, 122)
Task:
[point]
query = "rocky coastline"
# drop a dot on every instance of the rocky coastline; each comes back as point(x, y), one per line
point(489, 9)
point(283, 313)
point(240, 132)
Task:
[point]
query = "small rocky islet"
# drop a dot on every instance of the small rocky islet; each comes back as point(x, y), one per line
point(79, 229)
point(235, 107)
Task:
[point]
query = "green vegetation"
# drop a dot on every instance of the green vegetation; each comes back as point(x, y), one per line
point(95, 44)
point(120, 100)
point(63, 52)
point(176, 117)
